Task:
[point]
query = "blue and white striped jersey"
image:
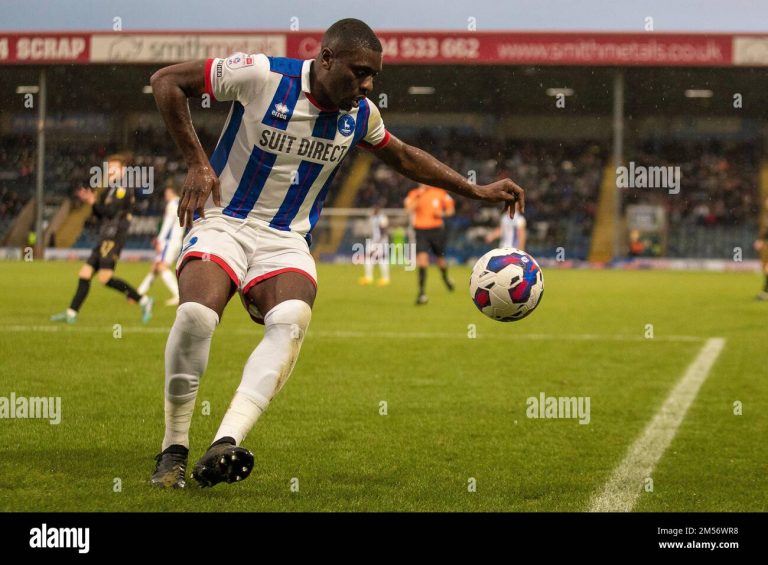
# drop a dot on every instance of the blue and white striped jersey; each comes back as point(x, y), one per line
point(279, 151)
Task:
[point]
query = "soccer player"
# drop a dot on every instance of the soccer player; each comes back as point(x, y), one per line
point(167, 245)
point(113, 208)
point(510, 232)
point(252, 208)
point(428, 206)
point(379, 250)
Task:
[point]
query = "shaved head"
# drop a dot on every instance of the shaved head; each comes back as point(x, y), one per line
point(350, 35)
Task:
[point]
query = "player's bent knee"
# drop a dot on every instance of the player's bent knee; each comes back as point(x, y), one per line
point(186, 352)
point(292, 313)
point(288, 322)
point(196, 319)
point(270, 365)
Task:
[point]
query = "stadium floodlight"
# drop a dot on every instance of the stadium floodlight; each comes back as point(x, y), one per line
point(698, 93)
point(147, 89)
point(421, 90)
point(34, 89)
point(559, 91)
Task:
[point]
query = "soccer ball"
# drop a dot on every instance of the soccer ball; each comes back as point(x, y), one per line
point(506, 284)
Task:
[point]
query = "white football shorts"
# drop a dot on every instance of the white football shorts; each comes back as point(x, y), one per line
point(248, 251)
point(170, 252)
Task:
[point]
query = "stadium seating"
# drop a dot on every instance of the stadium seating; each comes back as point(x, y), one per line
point(716, 210)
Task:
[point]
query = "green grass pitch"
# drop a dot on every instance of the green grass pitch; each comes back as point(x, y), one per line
point(455, 436)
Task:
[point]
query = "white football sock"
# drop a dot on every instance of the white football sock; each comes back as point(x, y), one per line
point(241, 416)
point(169, 279)
point(146, 283)
point(268, 367)
point(186, 357)
point(369, 267)
point(384, 266)
point(178, 419)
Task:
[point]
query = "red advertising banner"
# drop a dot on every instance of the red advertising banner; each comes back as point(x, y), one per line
point(457, 48)
point(34, 48)
point(651, 49)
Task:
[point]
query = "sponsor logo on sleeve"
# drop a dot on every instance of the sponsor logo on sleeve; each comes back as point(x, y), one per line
point(239, 61)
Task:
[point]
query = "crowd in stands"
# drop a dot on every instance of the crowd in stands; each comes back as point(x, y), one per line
point(562, 184)
point(68, 166)
point(718, 181)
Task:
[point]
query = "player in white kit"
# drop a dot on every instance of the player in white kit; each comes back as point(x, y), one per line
point(252, 208)
point(167, 245)
point(377, 248)
point(511, 231)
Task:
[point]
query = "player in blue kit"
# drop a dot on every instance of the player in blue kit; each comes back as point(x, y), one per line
point(251, 210)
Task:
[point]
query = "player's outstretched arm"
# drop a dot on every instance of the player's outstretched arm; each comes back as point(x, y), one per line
point(171, 87)
point(420, 166)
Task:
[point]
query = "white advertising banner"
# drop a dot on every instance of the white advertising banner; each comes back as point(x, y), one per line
point(172, 48)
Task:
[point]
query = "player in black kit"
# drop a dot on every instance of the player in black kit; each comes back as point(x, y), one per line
point(113, 207)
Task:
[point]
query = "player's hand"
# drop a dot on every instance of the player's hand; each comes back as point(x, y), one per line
point(504, 191)
point(759, 244)
point(201, 182)
point(86, 195)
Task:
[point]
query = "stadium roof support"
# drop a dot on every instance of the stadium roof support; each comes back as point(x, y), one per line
point(618, 155)
point(41, 107)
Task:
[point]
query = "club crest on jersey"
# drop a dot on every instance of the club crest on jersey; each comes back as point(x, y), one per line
point(346, 125)
point(280, 111)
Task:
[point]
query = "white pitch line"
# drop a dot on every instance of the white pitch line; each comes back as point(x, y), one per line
point(623, 488)
point(363, 334)
point(61, 328)
point(511, 336)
